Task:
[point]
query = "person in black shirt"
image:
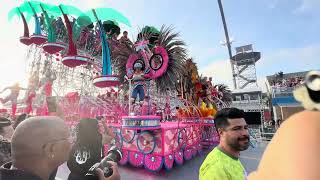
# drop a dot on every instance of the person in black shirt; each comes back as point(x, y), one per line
point(87, 150)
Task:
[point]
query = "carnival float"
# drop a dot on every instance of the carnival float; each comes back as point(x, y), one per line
point(147, 91)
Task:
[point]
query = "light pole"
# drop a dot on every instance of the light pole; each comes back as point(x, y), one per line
point(228, 42)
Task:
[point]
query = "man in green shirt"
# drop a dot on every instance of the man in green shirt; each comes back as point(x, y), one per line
point(223, 163)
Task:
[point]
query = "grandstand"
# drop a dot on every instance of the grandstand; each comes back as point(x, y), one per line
point(280, 88)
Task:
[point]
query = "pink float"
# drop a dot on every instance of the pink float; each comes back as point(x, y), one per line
point(178, 157)
point(25, 40)
point(187, 153)
point(74, 61)
point(38, 39)
point(106, 81)
point(153, 162)
point(53, 47)
point(136, 159)
point(168, 161)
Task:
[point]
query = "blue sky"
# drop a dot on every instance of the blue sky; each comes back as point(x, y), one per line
point(287, 32)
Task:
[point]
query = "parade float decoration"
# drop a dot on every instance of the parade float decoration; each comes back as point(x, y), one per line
point(159, 110)
point(72, 59)
point(52, 46)
point(32, 7)
point(106, 79)
point(18, 11)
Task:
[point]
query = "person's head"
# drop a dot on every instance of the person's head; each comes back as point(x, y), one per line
point(19, 119)
point(42, 140)
point(115, 35)
point(137, 67)
point(232, 129)
point(125, 33)
point(6, 130)
point(88, 134)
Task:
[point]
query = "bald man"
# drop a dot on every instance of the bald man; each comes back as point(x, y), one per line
point(39, 145)
point(294, 152)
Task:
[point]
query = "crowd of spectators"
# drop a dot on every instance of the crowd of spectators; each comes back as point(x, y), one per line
point(287, 82)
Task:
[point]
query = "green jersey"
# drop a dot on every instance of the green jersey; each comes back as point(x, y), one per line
point(220, 166)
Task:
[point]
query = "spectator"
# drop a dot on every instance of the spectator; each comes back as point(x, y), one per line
point(293, 152)
point(46, 153)
point(124, 38)
point(283, 83)
point(36, 155)
point(279, 121)
point(6, 132)
point(87, 150)
point(223, 163)
point(20, 118)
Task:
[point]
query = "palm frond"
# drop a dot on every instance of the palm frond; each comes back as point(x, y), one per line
point(177, 57)
point(120, 57)
point(227, 95)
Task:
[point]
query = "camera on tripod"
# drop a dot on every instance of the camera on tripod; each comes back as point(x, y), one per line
point(114, 155)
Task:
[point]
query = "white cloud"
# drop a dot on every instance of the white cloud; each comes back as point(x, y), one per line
point(290, 60)
point(201, 54)
point(307, 5)
point(220, 71)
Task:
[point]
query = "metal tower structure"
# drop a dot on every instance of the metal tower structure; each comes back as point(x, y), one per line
point(244, 64)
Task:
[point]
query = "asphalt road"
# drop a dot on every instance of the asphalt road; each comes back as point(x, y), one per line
point(189, 171)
